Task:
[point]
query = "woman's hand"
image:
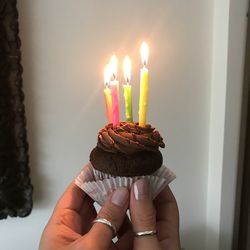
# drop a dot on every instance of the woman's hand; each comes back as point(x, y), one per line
point(161, 215)
point(70, 226)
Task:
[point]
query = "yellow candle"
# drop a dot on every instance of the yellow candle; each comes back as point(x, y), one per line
point(127, 89)
point(143, 86)
point(107, 94)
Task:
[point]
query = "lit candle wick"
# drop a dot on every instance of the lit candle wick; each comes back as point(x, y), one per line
point(127, 80)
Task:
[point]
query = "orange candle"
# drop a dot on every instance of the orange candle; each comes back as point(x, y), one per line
point(107, 94)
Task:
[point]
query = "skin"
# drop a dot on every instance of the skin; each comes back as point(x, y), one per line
point(70, 226)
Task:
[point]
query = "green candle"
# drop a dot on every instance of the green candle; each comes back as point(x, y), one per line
point(127, 89)
point(128, 102)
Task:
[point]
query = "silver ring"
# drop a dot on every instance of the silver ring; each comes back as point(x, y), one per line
point(145, 233)
point(108, 223)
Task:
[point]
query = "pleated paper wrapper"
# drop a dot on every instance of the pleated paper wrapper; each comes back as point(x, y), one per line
point(99, 185)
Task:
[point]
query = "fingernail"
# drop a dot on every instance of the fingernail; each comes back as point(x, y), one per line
point(141, 190)
point(120, 196)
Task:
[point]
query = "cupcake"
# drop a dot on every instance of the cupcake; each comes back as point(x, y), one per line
point(123, 155)
point(128, 150)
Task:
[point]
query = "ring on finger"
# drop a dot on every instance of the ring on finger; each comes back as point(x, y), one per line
point(107, 223)
point(145, 233)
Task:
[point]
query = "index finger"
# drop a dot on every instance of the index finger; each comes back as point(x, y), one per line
point(72, 198)
point(167, 215)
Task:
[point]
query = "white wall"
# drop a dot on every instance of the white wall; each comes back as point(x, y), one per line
point(65, 45)
point(235, 68)
point(229, 36)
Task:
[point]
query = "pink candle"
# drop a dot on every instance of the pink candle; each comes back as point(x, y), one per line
point(115, 102)
point(114, 85)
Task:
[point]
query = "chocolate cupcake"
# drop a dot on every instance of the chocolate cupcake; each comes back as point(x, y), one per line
point(123, 155)
point(128, 150)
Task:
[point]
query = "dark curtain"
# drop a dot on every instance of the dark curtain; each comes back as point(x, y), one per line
point(15, 185)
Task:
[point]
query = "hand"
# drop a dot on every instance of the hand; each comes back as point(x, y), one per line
point(161, 215)
point(70, 226)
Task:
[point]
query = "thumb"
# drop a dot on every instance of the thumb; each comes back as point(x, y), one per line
point(143, 215)
point(114, 210)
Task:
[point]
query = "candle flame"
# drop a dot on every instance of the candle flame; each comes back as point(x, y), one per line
point(144, 53)
point(107, 75)
point(127, 69)
point(114, 66)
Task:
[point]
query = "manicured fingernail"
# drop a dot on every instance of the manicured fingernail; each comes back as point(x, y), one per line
point(120, 196)
point(141, 190)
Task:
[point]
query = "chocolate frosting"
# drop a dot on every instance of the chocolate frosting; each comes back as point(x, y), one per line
point(129, 138)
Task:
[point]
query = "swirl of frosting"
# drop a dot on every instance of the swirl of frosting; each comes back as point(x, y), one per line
point(129, 138)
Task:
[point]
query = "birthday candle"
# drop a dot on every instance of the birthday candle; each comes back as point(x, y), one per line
point(127, 89)
point(143, 86)
point(107, 94)
point(114, 84)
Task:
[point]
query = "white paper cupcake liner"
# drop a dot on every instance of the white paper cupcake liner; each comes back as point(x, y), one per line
point(98, 185)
